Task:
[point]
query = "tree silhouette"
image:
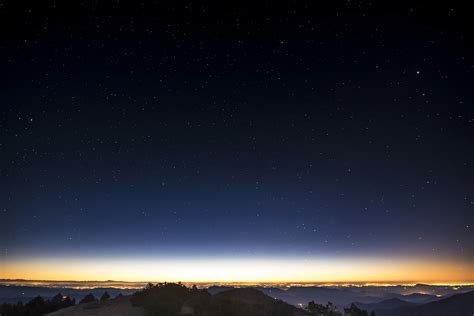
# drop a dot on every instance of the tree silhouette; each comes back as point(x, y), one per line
point(37, 306)
point(57, 299)
point(88, 298)
point(37, 303)
point(104, 297)
point(321, 310)
point(353, 310)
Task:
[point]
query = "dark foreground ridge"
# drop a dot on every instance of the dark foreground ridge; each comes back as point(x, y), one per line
point(177, 299)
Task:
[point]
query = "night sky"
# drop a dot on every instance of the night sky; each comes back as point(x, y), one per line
point(134, 135)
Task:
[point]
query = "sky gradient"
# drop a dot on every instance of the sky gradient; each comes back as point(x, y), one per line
point(296, 143)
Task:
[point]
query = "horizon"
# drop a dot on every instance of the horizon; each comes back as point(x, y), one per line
point(243, 283)
point(247, 270)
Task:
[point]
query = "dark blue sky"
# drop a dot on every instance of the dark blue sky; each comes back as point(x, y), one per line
point(291, 132)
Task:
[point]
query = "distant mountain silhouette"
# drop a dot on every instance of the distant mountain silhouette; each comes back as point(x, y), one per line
point(419, 298)
point(219, 288)
point(255, 302)
point(456, 305)
point(247, 295)
point(344, 296)
point(297, 295)
point(385, 304)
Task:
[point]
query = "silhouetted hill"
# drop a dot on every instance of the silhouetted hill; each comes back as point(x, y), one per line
point(386, 304)
point(456, 305)
point(119, 306)
point(250, 301)
point(219, 288)
point(248, 295)
point(420, 298)
point(175, 299)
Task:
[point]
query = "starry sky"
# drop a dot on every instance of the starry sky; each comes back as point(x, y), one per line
point(294, 142)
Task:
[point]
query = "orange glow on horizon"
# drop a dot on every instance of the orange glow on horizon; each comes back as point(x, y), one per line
point(242, 271)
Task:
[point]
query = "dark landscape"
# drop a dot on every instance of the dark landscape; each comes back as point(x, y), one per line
point(407, 300)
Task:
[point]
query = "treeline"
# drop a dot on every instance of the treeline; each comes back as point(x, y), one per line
point(40, 306)
point(37, 306)
point(330, 310)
